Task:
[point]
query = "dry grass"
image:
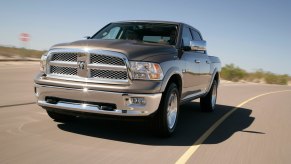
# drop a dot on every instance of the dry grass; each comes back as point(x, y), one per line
point(22, 52)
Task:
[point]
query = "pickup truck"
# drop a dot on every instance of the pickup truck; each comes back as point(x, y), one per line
point(129, 69)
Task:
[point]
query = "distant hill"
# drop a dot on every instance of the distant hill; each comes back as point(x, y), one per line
point(21, 52)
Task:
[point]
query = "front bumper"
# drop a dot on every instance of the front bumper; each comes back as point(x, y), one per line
point(86, 100)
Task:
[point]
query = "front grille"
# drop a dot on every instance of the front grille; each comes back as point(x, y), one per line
point(102, 59)
point(67, 57)
point(108, 66)
point(63, 71)
point(108, 74)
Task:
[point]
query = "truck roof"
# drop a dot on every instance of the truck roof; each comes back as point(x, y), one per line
point(157, 21)
point(149, 21)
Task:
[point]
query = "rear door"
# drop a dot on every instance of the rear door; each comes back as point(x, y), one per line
point(204, 63)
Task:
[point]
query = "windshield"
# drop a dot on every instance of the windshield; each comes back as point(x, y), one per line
point(146, 32)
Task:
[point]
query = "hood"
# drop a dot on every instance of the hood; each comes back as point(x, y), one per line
point(134, 50)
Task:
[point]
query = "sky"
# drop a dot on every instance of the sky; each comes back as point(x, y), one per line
point(252, 34)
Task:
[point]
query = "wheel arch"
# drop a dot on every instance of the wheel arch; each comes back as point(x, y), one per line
point(215, 76)
point(173, 76)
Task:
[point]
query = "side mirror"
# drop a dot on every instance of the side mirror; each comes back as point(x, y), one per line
point(87, 37)
point(198, 45)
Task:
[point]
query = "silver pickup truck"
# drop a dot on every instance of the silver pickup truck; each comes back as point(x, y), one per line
point(129, 69)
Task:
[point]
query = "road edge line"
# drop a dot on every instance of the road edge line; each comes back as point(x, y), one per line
point(190, 151)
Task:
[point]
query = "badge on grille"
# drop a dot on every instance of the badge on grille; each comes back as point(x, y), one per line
point(81, 64)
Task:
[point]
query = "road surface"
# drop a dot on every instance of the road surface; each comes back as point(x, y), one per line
point(257, 132)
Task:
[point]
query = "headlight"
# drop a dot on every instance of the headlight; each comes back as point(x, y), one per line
point(43, 62)
point(146, 71)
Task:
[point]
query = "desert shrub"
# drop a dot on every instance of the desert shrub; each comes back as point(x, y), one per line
point(256, 76)
point(232, 73)
point(272, 78)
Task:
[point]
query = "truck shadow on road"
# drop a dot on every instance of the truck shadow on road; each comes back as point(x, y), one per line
point(192, 124)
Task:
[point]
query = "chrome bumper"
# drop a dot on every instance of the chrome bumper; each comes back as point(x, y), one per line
point(121, 100)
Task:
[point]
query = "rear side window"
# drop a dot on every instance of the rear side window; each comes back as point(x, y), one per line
point(186, 36)
point(196, 35)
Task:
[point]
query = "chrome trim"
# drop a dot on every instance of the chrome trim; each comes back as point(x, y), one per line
point(198, 45)
point(107, 67)
point(193, 95)
point(87, 80)
point(63, 63)
point(121, 100)
point(85, 73)
point(197, 61)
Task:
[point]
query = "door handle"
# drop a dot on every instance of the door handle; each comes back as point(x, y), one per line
point(197, 61)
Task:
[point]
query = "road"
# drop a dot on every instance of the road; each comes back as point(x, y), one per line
point(257, 132)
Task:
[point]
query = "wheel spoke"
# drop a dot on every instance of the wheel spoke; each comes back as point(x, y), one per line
point(214, 95)
point(172, 110)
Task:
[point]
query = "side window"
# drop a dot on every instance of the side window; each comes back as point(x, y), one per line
point(196, 35)
point(186, 36)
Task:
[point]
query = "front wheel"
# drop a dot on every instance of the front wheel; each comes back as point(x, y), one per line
point(165, 120)
point(208, 102)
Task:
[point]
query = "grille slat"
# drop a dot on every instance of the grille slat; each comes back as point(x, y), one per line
point(108, 74)
point(64, 71)
point(102, 59)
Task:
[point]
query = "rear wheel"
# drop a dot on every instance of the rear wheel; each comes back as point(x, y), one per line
point(59, 117)
point(208, 102)
point(165, 120)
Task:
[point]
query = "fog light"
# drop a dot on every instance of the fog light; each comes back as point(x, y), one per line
point(137, 100)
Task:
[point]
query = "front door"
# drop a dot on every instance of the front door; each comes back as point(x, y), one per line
point(191, 74)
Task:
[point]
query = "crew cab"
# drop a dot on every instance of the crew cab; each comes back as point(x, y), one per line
point(143, 69)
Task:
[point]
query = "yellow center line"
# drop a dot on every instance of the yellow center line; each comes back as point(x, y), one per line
point(192, 149)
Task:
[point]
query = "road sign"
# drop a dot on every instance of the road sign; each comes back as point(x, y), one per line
point(24, 37)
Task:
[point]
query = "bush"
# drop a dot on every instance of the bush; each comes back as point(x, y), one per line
point(271, 78)
point(232, 73)
point(256, 77)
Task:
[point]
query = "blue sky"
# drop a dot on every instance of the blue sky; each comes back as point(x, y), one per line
point(252, 34)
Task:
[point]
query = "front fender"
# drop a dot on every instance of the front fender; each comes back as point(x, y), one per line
point(172, 71)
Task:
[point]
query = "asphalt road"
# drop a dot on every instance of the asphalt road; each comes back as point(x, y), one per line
point(257, 132)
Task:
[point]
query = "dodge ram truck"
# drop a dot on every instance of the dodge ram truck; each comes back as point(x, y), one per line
point(129, 69)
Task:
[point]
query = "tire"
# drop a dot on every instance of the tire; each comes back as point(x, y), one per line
point(165, 120)
point(59, 117)
point(208, 102)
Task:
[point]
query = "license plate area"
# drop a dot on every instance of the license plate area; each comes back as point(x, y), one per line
point(94, 106)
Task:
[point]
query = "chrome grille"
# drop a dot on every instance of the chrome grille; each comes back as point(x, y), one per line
point(102, 59)
point(98, 66)
point(67, 57)
point(108, 74)
point(63, 70)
